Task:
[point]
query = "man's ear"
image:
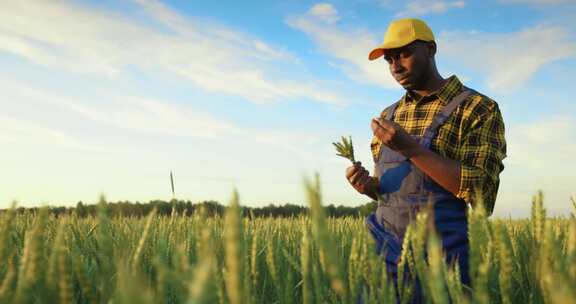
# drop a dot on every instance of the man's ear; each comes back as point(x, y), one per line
point(431, 49)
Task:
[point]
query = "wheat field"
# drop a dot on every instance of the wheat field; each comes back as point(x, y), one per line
point(306, 259)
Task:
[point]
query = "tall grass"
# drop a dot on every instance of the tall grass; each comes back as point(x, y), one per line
point(306, 259)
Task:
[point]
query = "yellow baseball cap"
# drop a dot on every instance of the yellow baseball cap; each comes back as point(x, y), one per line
point(402, 32)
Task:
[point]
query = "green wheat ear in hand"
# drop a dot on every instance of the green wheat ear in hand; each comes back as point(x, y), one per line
point(345, 148)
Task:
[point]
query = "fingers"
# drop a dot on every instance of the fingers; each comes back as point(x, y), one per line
point(384, 130)
point(366, 185)
point(358, 177)
point(365, 180)
point(380, 123)
point(376, 127)
point(355, 173)
point(350, 171)
point(381, 134)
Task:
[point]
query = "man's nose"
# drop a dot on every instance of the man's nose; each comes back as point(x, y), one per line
point(396, 67)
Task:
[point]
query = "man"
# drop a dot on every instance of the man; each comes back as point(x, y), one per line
point(441, 142)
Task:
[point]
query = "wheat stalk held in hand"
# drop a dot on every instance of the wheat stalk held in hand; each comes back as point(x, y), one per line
point(345, 148)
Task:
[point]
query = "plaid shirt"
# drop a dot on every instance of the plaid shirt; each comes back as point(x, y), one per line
point(473, 135)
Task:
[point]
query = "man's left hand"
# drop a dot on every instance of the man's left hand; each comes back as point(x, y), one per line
point(395, 137)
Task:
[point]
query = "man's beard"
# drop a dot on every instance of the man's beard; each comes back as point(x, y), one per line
point(420, 82)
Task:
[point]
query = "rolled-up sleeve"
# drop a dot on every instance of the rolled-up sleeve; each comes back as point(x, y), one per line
point(481, 153)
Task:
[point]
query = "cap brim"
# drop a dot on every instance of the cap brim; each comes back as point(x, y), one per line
point(376, 53)
point(381, 50)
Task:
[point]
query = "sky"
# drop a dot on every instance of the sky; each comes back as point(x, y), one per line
point(108, 97)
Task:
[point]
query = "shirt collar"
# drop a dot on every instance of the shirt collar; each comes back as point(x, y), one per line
point(452, 87)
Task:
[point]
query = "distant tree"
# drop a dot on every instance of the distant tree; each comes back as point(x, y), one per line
point(80, 209)
point(212, 208)
point(367, 208)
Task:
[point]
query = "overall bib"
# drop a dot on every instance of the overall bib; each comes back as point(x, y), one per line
point(405, 190)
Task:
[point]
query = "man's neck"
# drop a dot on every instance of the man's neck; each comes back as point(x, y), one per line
point(432, 85)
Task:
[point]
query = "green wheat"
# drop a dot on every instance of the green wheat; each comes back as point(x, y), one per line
point(345, 148)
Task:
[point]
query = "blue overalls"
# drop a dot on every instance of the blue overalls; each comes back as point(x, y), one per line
point(405, 189)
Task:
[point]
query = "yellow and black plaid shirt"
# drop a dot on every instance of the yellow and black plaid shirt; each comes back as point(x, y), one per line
point(473, 135)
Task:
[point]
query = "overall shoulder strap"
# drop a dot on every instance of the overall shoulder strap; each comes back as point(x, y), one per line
point(390, 110)
point(441, 117)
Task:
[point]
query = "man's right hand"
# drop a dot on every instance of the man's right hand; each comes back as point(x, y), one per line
point(361, 180)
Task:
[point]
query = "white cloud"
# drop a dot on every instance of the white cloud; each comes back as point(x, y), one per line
point(540, 157)
point(158, 117)
point(129, 112)
point(19, 131)
point(538, 2)
point(211, 56)
point(325, 12)
point(544, 144)
point(136, 113)
point(508, 59)
point(424, 7)
point(153, 117)
point(150, 116)
point(126, 112)
point(349, 47)
point(271, 53)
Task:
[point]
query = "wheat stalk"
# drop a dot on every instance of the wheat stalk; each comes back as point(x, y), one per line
point(172, 185)
point(233, 251)
point(138, 253)
point(345, 148)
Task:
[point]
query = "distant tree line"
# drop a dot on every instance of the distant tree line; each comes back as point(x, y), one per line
point(212, 208)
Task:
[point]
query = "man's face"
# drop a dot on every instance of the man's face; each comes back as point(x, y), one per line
point(410, 64)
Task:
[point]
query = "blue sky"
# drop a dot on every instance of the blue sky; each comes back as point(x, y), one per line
point(109, 96)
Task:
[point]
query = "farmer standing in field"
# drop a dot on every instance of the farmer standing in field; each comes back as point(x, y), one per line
point(441, 142)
